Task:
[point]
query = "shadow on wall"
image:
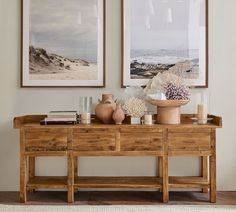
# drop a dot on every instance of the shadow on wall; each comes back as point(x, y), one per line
point(9, 156)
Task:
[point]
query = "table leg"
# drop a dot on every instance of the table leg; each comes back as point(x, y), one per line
point(23, 168)
point(71, 176)
point(159, 172)
point(204, 170)
point(75, 170)
point(213, 167)
point(31, 170)
point(165, 179)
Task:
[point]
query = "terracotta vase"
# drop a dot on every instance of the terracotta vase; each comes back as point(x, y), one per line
point(105, 108)
point(118, 114)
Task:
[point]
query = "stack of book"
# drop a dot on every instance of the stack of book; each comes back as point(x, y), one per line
point(60, 117)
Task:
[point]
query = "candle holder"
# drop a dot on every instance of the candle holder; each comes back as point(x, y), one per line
point(85, 105)
point(202, 109)
point(147, 119)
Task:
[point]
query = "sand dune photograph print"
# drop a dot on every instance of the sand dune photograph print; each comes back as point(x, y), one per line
point(63, 43)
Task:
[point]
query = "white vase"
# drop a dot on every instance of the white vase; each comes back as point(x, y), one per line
point(135, 120)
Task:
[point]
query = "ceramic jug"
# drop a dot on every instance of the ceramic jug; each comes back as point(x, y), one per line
point(105, 108)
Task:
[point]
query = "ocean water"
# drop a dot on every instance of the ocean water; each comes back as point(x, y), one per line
point(164, 56)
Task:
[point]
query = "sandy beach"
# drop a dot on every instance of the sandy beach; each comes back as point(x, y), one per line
point(46, 66)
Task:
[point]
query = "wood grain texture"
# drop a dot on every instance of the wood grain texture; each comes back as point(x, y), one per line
point(204, 170)
point(94, 142)
point(71, 177)
point(141, 141)
point(46, 140)
point(118, 182)
point(52, 182)
point(31, 162)
point(163, 141)
point(213, 167)
point(189, 142)
point(188, 182)
point(31, 167)
point(32, 121)
point(70, 168)
point(159, 168)
point(23, 167)
point(116, 153)
point(165, 167)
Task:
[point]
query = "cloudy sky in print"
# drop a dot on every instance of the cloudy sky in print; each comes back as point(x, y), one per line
point(166, 24)
point(65, 27)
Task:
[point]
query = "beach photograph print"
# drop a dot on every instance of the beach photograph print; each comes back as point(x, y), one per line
point(63, 43)
point(165, 35)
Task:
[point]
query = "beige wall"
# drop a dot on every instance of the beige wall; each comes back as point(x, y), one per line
point(17, 101)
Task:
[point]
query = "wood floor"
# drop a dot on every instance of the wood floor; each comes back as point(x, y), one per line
point(118, 198)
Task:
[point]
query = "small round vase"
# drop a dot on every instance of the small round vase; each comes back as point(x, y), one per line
point(168, 111)
point(118, 114)
point(105, 108)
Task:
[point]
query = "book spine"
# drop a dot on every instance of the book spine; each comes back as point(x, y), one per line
point(60, 119)
point(62, 113)
point(61, 116)
point(43, 122)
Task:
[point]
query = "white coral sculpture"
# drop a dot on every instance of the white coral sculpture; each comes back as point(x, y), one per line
point(159, 83)
point(135, 107)
point(173, 87)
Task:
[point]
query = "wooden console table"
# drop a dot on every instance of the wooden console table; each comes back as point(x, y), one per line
point(160, 141)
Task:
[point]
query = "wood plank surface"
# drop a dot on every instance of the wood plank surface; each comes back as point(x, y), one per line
point(187, 182)
point(116, 153)
point(118, 182)
point(94, 142)
point(141, 141)
point(53, 182)
point(189, 141)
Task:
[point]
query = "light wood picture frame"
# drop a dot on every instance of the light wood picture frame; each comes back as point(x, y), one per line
point(63, 43)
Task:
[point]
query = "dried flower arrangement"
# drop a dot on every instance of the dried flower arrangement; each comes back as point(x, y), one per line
point(135, 107)
point(171, 85)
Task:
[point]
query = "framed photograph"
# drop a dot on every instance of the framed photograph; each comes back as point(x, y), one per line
point(63, 43)
point(165, 35)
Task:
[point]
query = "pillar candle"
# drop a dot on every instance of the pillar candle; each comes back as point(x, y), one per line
point(202, 114)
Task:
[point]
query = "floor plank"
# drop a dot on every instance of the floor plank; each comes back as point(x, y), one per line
point(118, 198)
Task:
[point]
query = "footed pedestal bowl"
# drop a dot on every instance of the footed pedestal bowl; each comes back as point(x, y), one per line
point(168, 111)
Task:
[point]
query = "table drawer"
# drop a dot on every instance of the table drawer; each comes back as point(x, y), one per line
point(46, 140)
point(189, 142)
point(141, 141)
point(94, 140)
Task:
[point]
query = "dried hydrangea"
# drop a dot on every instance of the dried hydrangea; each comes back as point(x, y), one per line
point(177, 92)
point(135, 107)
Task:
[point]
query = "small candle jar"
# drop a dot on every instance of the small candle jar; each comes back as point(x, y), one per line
point(148, 119)
point(85, 118)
